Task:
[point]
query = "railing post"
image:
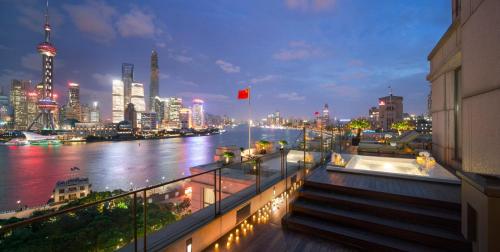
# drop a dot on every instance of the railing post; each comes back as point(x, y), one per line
point(134, 212)
point(304, 160)
point(220, 188)
point(321, 143)
point(282, 162)
point(215, 192)
point(145, 212)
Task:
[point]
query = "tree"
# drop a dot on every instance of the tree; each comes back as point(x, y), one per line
point(402, 126)
point(358, 125)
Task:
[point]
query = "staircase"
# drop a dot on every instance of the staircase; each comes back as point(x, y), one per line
point(376, 221)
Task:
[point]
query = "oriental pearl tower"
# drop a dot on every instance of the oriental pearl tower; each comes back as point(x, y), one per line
point(46, 105)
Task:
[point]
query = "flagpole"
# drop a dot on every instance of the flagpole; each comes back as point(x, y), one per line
point(249, 122)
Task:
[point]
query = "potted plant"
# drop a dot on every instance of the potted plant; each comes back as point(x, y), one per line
point(228, 156)
point(282, 144)
point(358, 125)
point(262, 146)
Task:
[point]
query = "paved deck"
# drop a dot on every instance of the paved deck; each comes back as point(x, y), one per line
point(272, 237)
point(405, 187)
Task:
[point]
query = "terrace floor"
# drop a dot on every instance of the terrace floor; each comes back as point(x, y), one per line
point(272, 237)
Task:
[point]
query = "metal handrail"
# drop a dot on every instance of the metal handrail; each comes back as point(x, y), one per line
point(76, 208)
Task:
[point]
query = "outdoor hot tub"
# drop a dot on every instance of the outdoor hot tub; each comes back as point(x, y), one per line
point(394, 167)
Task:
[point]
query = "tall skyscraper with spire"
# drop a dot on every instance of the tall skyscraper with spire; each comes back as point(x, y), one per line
point(154, 85)
point(127, 78)
point(46, 105)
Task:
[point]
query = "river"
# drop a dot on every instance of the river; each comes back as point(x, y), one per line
point(29, 173)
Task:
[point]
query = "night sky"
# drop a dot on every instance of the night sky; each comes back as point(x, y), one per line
point(296, 54)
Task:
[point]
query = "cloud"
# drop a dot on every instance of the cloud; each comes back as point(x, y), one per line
point(163, 76)
point(188, 83)
point(205, 96)
point(182, 58)
point(137, 23)
point(355, 62)
point(32, 17)
point(227, 67)
point(33, 61)
point(342, 90)
point(265, 78)
point(104, 79)
point(310, 5)
point(7, 75)
point(293, 96)
point(297, 50)
point(94, 18)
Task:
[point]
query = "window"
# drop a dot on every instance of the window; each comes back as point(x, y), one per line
point(61, 190)
point(82, 188)
point(208, 196)
point(82, 195)
point(61, 198)
point(72, 196)
point(458, 115)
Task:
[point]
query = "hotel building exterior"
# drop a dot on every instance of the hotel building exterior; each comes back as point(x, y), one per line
point(465, 83)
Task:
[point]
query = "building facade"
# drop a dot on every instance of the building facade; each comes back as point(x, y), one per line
point(95, 113)
point(118, 107)
point(155, 82)
point(127, 79)
point(390, 110)
point(465, 83)
point(173, 106)
point(71, 189)
point(198, 114)
point(18, 100)
point(74, 110)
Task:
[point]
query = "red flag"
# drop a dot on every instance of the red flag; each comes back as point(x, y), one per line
point(316, 113)
point(243, 94)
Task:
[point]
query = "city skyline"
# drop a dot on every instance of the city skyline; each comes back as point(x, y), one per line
point(214, 72)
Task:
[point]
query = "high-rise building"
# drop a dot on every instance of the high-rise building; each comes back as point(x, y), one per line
point(390, 110)
point(154, 84)
point(118, 107)
point(137, 97)
point(326, 116)
point(374, 117)
point(5, 110)
point(173, 106)
point(95, 113)
point(74, 108)
point(46, 105)
point(18, 98)
point(84, 113)
point(186, 119)
point(31, 105)
point(148, 121)
point(198, 114)
point(131, 115)
point(127, 79)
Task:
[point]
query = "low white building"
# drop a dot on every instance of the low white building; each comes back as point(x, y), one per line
point(71, 189)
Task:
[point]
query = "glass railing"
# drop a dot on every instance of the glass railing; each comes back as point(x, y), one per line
point(146, 218)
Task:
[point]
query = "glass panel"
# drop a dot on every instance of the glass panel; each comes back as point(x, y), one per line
point(77, 230)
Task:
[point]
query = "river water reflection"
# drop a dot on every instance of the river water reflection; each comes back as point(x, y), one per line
point(29, 173)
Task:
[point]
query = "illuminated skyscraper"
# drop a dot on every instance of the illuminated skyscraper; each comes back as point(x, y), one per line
point(198, 114)
point(154, 84)
point(186, 118)
point(118, 108)
point(18, 98)
point(46, 105)
point(74, 108)
point(31, 105)
point(172, 108)
point(5, 110)
point(127, 78)
point(137, 97)
point(95, 113)
point(326, 116)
